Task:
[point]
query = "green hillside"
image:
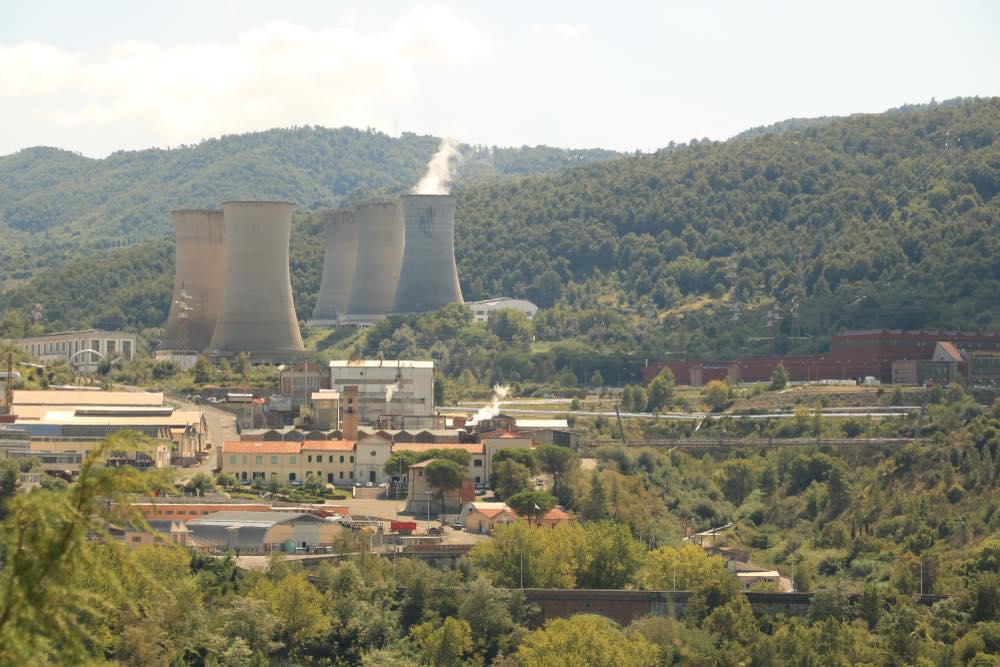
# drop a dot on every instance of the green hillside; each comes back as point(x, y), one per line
point(900, 208)
point(55, 204)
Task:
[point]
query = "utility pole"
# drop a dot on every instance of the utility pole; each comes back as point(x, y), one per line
point(8, 398)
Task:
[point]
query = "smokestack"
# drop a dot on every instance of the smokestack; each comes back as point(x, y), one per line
point(199, 271)
point(380, 256)
point(428, 279)
point(338, 265)
point(257, 314)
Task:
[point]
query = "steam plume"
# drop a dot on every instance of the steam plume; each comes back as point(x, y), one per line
point(435, 181)
point(390, 390)
point(493, 409)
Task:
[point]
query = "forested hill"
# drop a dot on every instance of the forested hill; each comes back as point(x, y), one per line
point(55, 204)
point(900, 208)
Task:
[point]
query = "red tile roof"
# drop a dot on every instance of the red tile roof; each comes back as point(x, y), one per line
point(950, 349)
point(472, 448)
point(501, 433)
point(260, 447)
point(328, 445)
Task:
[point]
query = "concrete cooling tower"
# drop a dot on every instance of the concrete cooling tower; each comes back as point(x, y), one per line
point(380, 256)
point(428, 279)
point(199, 270)
point(338, 266)
point(257, 314)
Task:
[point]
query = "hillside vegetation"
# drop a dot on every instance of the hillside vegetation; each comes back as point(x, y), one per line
point(630, 256)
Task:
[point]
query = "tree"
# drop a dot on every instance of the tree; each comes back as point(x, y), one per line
point(639, 399)
point(615, 556)
point(399, 463)
point(556, 461)
point(585, 639)
point(510, 477)
point(596, 507)
point(510, 326)
point(298, 608)
point(738, 480)
point(444, 475)
point(531, 504)
point(199, 484)
point(661, 391)
point(486, 610)
point(202, 371)
point(448, 645)
point(683, 568)
point(596, 379)
point(525, 457)
point(716, 394)
point(779, 378)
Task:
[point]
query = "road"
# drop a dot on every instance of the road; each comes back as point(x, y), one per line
point(876, 413)
point(221, 426)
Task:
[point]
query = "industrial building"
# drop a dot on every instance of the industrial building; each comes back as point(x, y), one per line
point(853, 355)
point(428, 279)
point(199, 273)
point(379, 257)
point(257, 315)
point(264, 532)
point(83, 349)
point(481, 310)
point(339, 262)
point(400, 394)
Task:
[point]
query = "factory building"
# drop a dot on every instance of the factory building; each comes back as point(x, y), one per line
point(339, 262)
point(853, 355)
point(481, 310)
point(84, 349)
point(398, 393)
point(199, 272)
point(257, 315)
point(428, 279)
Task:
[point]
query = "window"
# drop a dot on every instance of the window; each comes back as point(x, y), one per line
point(291, 458)
point(111, 349)
point(274, 460)
point(309, 458)
point(127, 349)
point(232, 460)
point(341, 459)
point(136, 539)
point(341, 474)
point(274, 475)
point(244, 459)
point(329, 477)
point(258, 460)
point(291, 477)
point(331, 459)
point(478, 463)
point(352, 459)
point(373, 454)
point(351, 474)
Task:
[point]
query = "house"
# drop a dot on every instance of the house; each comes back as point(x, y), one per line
point(477, 469)
point(262, 460)
point(156, 533)
point(554, 517)
point(264, 532)
point(496, 440)
point(709, 538)
point(483, 518)
point(331, 461)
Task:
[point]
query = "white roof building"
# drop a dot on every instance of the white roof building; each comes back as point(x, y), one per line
point(481, 309)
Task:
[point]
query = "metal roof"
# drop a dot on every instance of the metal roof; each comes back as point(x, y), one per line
point(81, 398)
point(380, 363)
point(253, 519)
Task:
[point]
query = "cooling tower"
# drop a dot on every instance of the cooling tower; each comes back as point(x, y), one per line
point(380, 256)
point(199, 269)
point(428, 279)
point(257, 314)
point(338, 266)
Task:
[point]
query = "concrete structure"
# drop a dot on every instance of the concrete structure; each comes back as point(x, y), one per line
point(428, 279)
point(299, 381)
point(984, 367)
point(199, 272)
point(481, 310)
point(264, 532)
point(339, 263)
point(422, 498)
point(922, 371)
point(413, 398)
point(325, 410)
point(497, 440)
point(83, 349)
point(257, 314)
point(379, 259)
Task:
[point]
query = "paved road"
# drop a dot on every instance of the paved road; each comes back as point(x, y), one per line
point(221, 427)
point(879, 413)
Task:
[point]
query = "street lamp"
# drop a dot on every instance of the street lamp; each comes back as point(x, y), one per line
point(428, 494)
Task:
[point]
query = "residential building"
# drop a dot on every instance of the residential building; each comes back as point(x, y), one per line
point(484, 518)
point(262, 461)
point(84, 349)
point(476, 469)
point(397, 390)
point(329, 460)
point(500, 439)
point(157, 533)
point(481, 310)
point(556, 516)
point(264, 532)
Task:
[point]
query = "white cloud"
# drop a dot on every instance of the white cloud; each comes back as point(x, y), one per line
point(568, 31)
point(277, 74)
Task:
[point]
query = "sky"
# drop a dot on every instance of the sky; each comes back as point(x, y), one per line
point(100, 76)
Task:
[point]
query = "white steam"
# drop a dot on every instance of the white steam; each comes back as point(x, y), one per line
point(435, 181)
point(390, 390)
point(493, 409)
